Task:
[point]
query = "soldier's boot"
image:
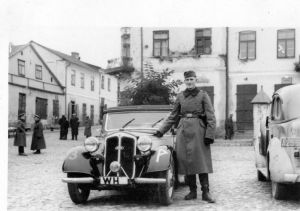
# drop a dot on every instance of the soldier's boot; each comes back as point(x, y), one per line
point(206, 196)
point(191, 181)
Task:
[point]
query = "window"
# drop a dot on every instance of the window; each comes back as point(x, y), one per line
point(92, 114)
point(203, 41)
point(92, 83)
point(82, 80)
point(38, 72)
point(83, 112)
point(21, 67)
point(41, 107)
point(108, 84)
point(55, 110)
point(102, 82)
point(22, 103)
point(277, 109)
point(160, 43)
point(73, 78)
point(247, 45)
point(286, 43)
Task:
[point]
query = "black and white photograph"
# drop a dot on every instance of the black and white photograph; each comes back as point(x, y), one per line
point(150, 105)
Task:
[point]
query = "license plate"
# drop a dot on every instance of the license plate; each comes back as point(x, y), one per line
point(113, 180)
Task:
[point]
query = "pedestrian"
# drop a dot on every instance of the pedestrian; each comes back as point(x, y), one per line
point(20, 138)
point(74, 123)
point(229, 132)
point(38, 140)
point(62, 123)
point(66, 129)
point(87, 127)
point(195, 133)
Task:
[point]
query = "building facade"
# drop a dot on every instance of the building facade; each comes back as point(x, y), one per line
point(82, 82)
point(259, 58)
point(33, 87)
point(180, 49)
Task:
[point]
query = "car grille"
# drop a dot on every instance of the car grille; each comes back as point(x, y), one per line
point(121, 149)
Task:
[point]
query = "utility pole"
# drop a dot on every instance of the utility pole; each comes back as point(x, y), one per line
point(142, 55)
point(226, 73)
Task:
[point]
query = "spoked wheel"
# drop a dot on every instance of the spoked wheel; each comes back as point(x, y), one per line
point(79, 193)
point(166, 191)
point(279, 190)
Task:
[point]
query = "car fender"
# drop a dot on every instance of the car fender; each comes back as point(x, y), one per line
point(78, 161)
point(160, 160)
point(279, 161)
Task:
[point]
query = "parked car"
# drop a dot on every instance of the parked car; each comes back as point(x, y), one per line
point(277, 148)
point(127, 155)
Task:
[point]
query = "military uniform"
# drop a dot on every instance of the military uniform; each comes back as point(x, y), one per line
point(38, 140)
point(88, 127)
point(20, 138)
point(74, 123)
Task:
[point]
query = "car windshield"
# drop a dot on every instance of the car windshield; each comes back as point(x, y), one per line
point(142, 119)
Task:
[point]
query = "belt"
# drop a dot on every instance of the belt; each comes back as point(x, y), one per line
point(190, 115)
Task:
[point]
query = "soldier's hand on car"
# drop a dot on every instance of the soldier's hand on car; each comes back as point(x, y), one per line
point(208, 141)
point(158, 134)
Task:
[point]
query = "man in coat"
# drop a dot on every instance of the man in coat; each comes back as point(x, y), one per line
point(20, 138)
point(229, 128)
point(38, 140)
point(74, 123)
point(195, 133)
point(87, 127)
point(62, 123)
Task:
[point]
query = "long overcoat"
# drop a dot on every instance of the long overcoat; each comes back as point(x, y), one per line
point(74, 123)
point(38, 140)
point(20, 138)
point(88, 128)
point(193, 156)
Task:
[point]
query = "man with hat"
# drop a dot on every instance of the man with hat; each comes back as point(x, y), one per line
point(20, 138)
point(38, 140)
point(195, 133)
point(74, 126)
point(87, 127)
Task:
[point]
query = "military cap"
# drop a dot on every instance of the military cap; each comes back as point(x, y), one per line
point(189, 73)
point(37, 116)
point(22, 114)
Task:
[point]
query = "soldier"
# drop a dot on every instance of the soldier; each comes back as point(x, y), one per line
point(62, 123)
point(20, 138)
point(195, 133)
point(87, 127)
point(229, 128)
point(38, 140)
point(74, 126)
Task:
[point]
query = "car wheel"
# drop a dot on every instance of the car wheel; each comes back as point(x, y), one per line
point(278, 190)
point(79, 193)
point(166, 191)
point(261, 177)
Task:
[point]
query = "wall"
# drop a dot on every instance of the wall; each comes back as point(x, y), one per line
point(111, 97)
point(266, 70)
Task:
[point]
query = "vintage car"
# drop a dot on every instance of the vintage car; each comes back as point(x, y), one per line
point(126, 156)
point(277, 147)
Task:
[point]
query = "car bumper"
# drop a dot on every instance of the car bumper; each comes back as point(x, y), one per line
point(292, 178)
point(90, 180)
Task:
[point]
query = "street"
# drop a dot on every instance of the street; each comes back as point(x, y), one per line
point(34, 183)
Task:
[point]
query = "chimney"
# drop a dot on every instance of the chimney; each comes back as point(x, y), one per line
point(75, 55)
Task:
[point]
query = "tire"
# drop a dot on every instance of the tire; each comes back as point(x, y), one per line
point(278, 190)
point(261, 177)
point(78, 192)
point(166, 191)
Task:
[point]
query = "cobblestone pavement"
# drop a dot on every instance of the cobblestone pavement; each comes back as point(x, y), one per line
point(34, 183)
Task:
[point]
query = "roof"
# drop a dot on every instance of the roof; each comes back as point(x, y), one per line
point(69, 58)
point(261, 98)
point(139, 108)
point(16, 48)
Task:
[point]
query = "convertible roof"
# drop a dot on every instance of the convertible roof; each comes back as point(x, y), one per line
point(139, 108)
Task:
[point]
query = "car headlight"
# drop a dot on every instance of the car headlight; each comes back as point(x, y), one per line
point(144, 143)
point(91, 144)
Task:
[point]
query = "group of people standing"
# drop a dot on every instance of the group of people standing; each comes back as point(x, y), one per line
point(74, 124)
point(38, 140)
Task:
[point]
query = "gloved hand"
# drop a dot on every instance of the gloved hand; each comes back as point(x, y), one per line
point(208, 141)
point(158, 134)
